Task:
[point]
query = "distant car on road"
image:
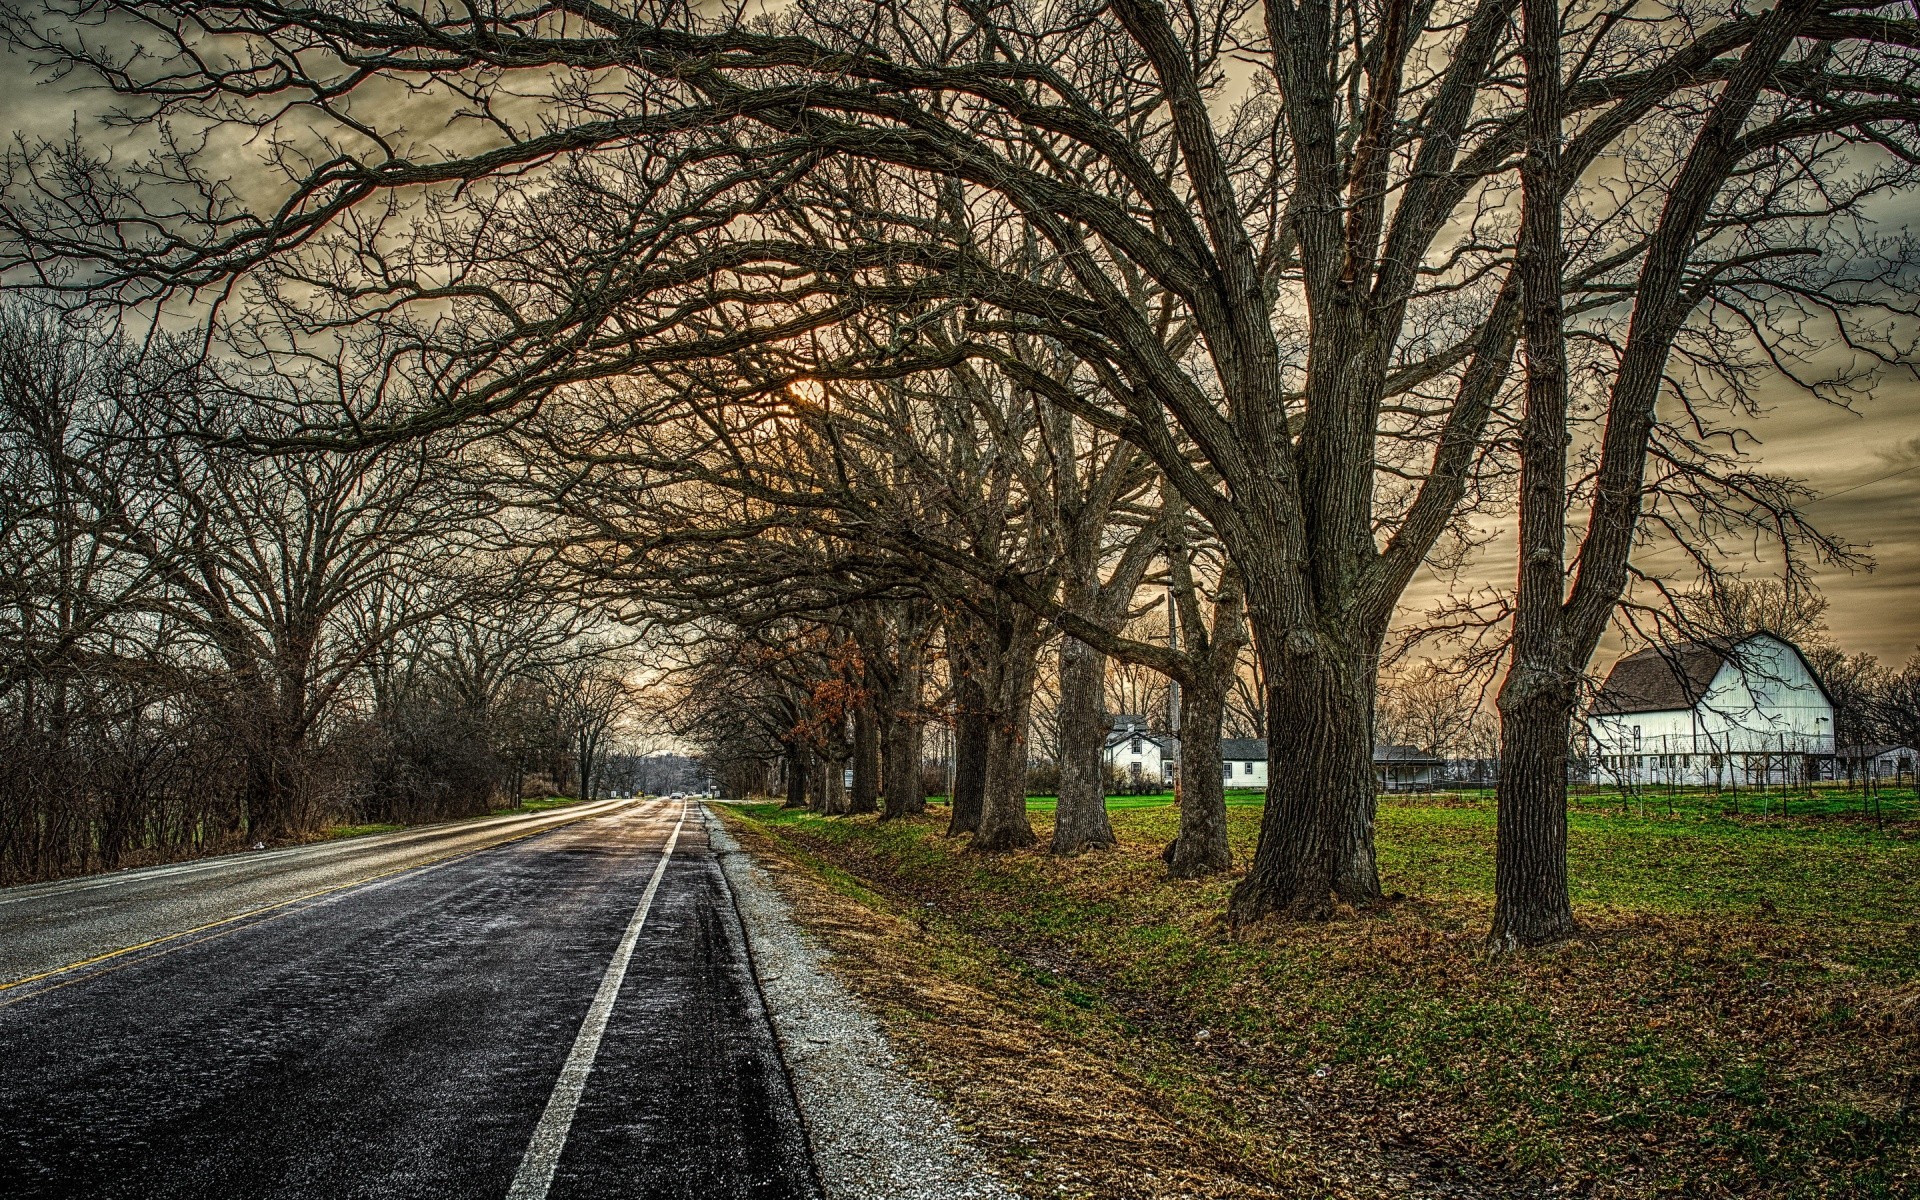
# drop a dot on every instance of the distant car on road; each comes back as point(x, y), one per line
point(678, 796)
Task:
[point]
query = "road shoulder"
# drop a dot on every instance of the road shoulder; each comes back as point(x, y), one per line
point(877, 1133)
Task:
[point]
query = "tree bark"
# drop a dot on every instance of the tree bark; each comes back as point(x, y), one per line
point(1200, 848)
point(903, 738)
point(970, 738)
point(1080, 818)
point(796, 777)
point(1316, 835)
point(1003, 818)
point(1531, 902)
point(865, 797)
point(1532, 906)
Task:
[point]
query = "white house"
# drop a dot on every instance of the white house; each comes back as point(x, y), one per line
point(1243, 763)
point(1134, 752)
point(1733, 714)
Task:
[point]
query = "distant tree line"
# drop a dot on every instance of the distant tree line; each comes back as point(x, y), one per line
point(202, 645)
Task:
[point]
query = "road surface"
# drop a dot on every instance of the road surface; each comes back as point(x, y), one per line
point(552, 1006)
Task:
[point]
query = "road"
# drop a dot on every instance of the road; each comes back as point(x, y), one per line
point(558, 1006)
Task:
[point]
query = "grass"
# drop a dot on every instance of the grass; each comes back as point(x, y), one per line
point(1742, 1015)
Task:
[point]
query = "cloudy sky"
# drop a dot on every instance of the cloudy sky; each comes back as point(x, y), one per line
point(1864, 464)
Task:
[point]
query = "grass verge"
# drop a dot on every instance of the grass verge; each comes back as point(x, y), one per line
point(1741, 1017)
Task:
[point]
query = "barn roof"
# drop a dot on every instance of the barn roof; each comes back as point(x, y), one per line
point(1660, 679)
point(1673, 678)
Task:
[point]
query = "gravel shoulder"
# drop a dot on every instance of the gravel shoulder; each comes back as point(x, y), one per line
point(876, 1132)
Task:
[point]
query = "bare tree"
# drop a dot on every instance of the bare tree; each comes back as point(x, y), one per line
point(1740, 241)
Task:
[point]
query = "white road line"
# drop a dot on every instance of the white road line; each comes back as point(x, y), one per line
point(550, 1136)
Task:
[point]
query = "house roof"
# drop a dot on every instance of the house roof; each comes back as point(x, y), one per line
point(1660, 679)
point(1122, 736)
point(1126, 721)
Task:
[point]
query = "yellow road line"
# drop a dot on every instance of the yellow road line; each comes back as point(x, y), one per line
point(278, 904)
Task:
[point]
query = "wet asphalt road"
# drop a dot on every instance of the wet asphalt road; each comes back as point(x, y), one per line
point(401, 1038)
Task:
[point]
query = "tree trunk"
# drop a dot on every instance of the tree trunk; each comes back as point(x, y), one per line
point(970, 738)
point(1316, 835)
point(1201, 846)
point(1531, 902)
point(1080, 819)
point(833, 784)
point(866, 762)
point(796, 777)
point(1003, 818)
point(901, 750)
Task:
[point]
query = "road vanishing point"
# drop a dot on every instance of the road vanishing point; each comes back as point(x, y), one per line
point(558, 1005)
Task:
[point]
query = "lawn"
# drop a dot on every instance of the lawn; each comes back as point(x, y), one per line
point(1741, 1016)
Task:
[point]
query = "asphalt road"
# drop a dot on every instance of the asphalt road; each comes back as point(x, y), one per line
point(348, 1022)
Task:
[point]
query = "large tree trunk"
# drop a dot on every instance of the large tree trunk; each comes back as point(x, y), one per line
point(796, 777)
point(1080, 819)
point(903, 734)
point(971, 727)
point(832, 791)
point(901, 753)
point(1531, 902)
point(1316, 835)
point(1201, 846)
point(1003, 818)
point(866, 762)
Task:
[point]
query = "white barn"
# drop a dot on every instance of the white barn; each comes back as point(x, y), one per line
point(1737, 714)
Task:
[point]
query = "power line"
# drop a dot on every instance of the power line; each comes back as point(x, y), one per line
point(1868, 483)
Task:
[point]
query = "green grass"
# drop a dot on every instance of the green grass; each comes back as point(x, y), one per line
point(545, 804)
point(1236, 798)
point(352, 831)
point(1738, 1018)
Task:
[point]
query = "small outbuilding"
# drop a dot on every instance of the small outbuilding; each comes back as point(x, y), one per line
point(1243, 763)
point(1879, 763)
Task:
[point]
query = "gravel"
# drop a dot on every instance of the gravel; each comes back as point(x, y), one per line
point(876, 1133)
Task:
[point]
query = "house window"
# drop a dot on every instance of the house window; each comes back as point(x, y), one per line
point(1636, 737)
point(1247, 769)
point(1135, 747)
point(1228, 772)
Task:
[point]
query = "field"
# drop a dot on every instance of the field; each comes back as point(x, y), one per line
point(1740, 1017)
